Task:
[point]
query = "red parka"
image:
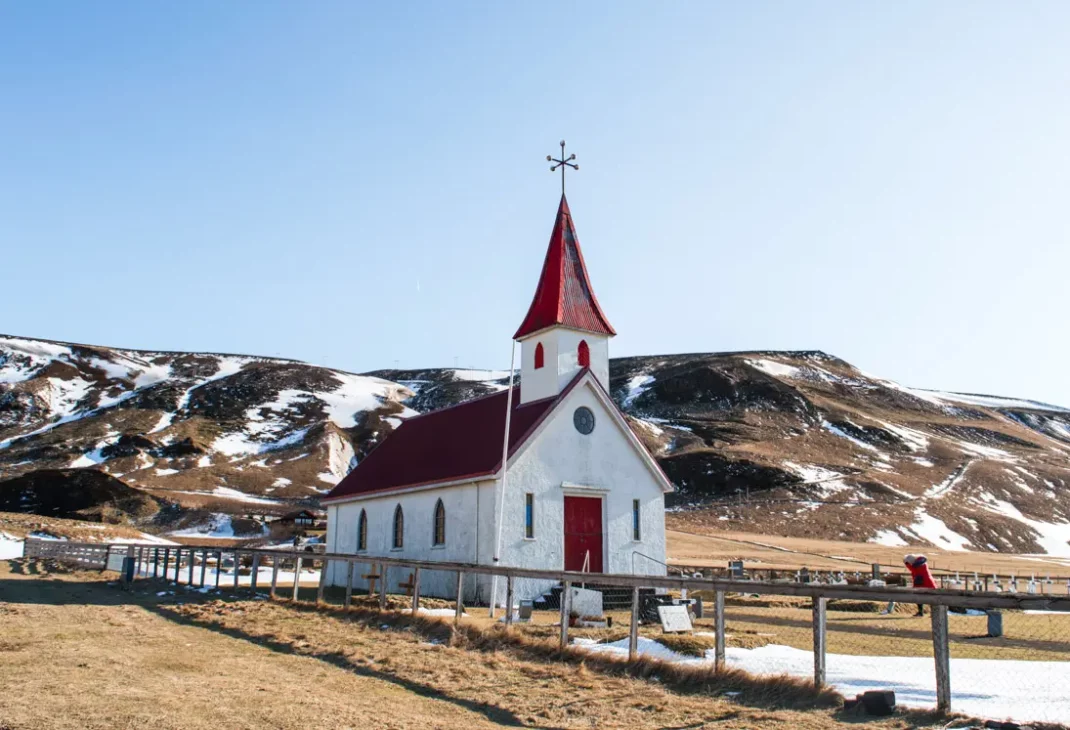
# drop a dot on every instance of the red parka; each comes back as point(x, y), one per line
point(919, 571)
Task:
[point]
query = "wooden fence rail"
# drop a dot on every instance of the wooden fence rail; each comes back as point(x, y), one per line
point(152, 561)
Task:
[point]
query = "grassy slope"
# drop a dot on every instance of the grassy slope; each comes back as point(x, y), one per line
point(108, 659)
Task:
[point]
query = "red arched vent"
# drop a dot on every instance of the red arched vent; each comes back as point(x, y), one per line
point(585, 354)
point(539, 357)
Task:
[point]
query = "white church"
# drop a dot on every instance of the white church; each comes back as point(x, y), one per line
point(579, 491)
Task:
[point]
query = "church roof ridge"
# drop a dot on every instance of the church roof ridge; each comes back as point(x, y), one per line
point(564, 295)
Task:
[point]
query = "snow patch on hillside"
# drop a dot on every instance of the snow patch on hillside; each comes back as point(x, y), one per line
point(888, 538)
point(934, 531)
point(776, 369)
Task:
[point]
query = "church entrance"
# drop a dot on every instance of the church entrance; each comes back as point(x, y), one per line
point(583, 534)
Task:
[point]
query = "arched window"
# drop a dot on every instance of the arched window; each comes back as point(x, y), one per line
point(439, 537)
point(539, 356)
point(584, 354)
point(399, 528)
point(362, 531)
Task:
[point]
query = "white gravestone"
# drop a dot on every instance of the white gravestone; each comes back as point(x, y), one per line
point(674, 619)
point(585, 603)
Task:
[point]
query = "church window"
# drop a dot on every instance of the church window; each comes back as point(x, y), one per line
point(636, 515)
point(362, 531)
point(583, 420)
point(584, 354)
point(399, 528)
point(529, 516)
point(440, 524)
point(539, 356)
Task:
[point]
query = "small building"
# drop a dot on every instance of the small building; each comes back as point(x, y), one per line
point(302, 518)
point(580, 492)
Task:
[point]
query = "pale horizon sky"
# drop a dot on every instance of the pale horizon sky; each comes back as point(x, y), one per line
point(362, 185)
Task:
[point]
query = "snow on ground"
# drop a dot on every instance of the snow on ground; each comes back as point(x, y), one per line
point(1035, 694)
point(989, 452)
point(636, 387)
point(993, 401)
point(359, 393)
point(10, 547)
point(836, 431)
point(1029, 691)
point(956, 476)
point(914, 440)
point(888, 538)
point(776, 369)
point(220, 526)
point(480, 375)
point(935, 532)
point(229, 493)
point(830, 482)
point(1054, 538)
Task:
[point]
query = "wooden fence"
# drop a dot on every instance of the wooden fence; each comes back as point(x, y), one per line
point(189, 563)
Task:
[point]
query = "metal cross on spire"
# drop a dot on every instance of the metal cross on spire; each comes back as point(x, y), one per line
point(563, 163)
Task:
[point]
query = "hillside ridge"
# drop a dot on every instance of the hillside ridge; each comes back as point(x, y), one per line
point(797, 443)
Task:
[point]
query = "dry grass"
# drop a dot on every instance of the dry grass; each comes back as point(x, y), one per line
point(77, 653)
point(714, 549)
point(20, 525)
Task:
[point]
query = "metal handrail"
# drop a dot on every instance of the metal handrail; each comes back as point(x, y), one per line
point(666, 565)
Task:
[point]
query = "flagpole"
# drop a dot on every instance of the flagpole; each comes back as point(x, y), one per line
point(505, 471)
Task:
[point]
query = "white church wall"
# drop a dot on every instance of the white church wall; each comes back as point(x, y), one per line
point(561, 461)
point(467, 516)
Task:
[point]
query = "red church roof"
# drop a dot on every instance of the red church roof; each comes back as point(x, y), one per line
point(453, 444)
point(564, 295)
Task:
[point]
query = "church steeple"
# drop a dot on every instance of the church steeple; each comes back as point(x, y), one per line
point(564, 295)
point(565, 330)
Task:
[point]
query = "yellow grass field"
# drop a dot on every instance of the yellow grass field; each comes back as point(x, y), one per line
point(77, 652)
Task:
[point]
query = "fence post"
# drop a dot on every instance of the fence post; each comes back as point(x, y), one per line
point(255, 573)
point(204, 565)
point(942, 655)
point(415, 590)
point(382, 586)
point(190, 579)
point(633, 631)
point(140, 560)
point(274, 573)
point(509, 600)
point(819, 641)
point(460, 597)
point(237, 569)
point(155, 563)
point(166, 562)
point(349, 583)
point(323, 581)
point(297, 575)
point(178, 563)
point(719, 631)
point(218, 567)
point(566, 599)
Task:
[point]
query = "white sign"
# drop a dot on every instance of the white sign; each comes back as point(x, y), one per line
point(674, 618)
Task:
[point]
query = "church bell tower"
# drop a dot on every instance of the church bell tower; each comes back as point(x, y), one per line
point(565, 330)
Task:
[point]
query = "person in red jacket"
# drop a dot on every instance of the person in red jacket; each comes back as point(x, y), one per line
point(918, 565)
point(920, 576)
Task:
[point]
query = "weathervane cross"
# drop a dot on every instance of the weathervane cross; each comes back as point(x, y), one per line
point(563, 163)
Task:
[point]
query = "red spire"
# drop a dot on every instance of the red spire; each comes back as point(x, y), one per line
point(564, 295)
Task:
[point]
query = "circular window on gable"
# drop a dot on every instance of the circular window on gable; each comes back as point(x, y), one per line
point(583, 420)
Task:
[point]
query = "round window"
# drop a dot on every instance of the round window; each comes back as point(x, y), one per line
point(583, 419)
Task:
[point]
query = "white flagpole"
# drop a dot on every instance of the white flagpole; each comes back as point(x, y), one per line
point(505, 471)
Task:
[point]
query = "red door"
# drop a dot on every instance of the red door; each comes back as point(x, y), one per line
point(583, 533)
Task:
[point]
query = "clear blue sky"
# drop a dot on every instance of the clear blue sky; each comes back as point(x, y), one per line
point(362, 183)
